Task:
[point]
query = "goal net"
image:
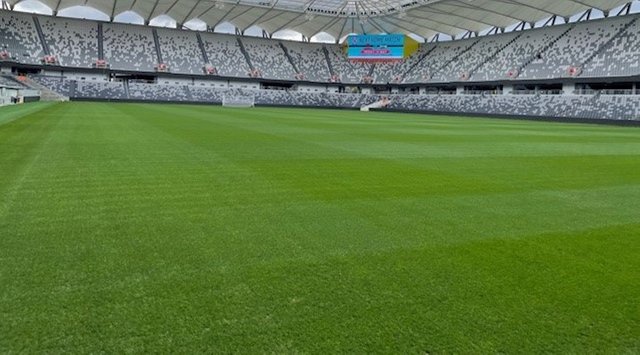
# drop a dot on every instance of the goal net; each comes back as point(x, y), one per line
point(238, 99)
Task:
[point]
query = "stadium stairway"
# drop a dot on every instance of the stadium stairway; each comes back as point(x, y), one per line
point(43, 41)
point(378, 104)
point(203, 50)
point(325, 51)
point(286, 53)
point(100, 41)
point(125, 83)
point(46, 94)
point(245, 54)
point(187, 91)
point(156, 40)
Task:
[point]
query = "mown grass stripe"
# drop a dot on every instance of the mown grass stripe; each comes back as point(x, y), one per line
point(167, 228)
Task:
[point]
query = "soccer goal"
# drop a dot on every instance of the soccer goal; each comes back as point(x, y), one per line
point(238, 99)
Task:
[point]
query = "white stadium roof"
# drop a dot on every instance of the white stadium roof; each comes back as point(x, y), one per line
point(425, 18)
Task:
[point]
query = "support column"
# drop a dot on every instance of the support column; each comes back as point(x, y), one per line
point(568, 88)
point(507, 89)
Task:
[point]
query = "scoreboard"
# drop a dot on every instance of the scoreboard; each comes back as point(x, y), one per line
point(380, 47)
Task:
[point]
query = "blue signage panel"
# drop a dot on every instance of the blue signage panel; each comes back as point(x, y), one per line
point(375, 47)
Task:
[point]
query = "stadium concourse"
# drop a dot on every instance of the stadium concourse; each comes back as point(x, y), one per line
point(582, 68)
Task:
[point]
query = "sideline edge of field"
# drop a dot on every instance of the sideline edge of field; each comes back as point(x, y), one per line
point(12, 113)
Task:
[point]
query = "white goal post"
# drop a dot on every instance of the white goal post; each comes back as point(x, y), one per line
point(237, 99)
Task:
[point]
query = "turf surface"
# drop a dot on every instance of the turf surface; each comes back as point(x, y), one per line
point(129, 228)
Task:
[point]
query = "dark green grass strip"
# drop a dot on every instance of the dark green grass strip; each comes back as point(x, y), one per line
point(143, 228)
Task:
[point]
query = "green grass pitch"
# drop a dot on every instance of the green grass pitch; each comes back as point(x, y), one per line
point(131, 228)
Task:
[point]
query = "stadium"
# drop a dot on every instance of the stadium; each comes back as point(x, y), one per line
point(320, 176)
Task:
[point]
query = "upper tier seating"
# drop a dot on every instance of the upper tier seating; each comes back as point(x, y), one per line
point(310, 60)
point(18, 35)
point(515, 56)
point(391, 72)
point(73, 42)
point(348, 72)
point(395, 72)
point(225, 55)
point(441, 55)
point(129, 47)
point(571, 50)
point(627, 55)
point(180, 50)
point(600, 48)
point(462, 66)
point(269, 58)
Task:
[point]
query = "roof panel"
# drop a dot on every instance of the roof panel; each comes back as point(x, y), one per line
point(338, 17)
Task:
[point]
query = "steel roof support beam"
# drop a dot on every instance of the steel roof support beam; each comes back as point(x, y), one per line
point(425, 17)
point(590, 6)
point(133, 4)
point(263, 15)
point(171, 8)
point(625, 10)
point(430, 19)
point(186, 18)
point(586, 15)
point(112, 16)
point(358, 11)
point(328, 25)
point(380, 28)
point(440, 12)
point(479, 9)
point(413, 31)
point(286, 25)
point(224, 18)
point(338, 18)
point(551, 21)
point(205, 11)
point(525, 4)
point(344, 25)
point(55, 8)
point(148, 19)
point(273, 17)
point(403, 27)
point(235, 17)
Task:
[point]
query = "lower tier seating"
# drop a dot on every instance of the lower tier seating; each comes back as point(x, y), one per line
point(610, 107)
